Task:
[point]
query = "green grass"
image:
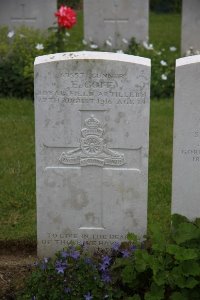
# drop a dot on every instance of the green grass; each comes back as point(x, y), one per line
point(17, 174)
point(17, 153)
point(165, 30)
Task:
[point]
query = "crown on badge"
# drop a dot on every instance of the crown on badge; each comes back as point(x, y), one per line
point(92, 122)
point(93, 127)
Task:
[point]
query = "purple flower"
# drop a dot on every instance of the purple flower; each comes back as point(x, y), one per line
point(102, 267)
point(43, 266)
point(106, 277)
point(88, 296)
point(67, 290)
point(64, 254)
point(75, 254)
point(116, 245)
point(125, 253)
point(88, 261)
point(133, 248)
point(60, 269)
point(106, 260)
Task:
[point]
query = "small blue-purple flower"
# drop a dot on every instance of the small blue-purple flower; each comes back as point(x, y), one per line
point(88, 261)
point(64, 254)
point(106, 260)
point(75, 254)
point(116, 245)
point(88, 296)
point(60, 269)
point(103, 267)
point(125, 253)
point(106, 277)
point(132, 248)
point(67, 290)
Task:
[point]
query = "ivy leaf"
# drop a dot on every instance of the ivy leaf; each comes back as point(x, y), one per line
point(182, 253)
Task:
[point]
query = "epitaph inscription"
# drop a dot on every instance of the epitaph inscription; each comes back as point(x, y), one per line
point(92, 122)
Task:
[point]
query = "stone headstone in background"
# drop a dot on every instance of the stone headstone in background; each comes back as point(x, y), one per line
point(116, 21)
point(32, 13)
point(186, 152)
point(92, 131)
point(190, 35)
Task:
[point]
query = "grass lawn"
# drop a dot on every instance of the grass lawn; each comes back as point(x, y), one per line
point(17, 153)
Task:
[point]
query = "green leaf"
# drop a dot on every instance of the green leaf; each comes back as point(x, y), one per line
point(158, 238)
point(182, 253)
point(156, 293)
point(132, 237)
point(190, 268)
point(178, 296)
point(141, 260)
point(185, 232)
point(178, 219)
point(135, 297)
point(128, 274)
point(160, 278)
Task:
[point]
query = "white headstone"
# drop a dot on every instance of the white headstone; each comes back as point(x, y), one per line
point(92, 128)
point(190, 25)
point(116, 20)
point(186, 152)
point(31, 13)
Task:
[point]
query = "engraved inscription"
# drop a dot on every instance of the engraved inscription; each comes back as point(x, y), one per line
point(95, 89)
point(93, 150)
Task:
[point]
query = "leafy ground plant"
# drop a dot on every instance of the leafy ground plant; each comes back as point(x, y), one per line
point(157, 269)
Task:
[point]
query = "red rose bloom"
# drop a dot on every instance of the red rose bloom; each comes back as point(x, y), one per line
point(66, 17)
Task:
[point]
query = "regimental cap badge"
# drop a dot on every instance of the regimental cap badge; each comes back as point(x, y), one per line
point(93, 126)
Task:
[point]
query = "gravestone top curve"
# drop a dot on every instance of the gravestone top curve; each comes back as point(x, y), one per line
point(93, 55)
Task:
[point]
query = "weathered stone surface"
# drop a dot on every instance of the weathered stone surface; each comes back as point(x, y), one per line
point(186, 152)
point(190, 25)
point(115, 20)
point(32, 13)
point(92, 128)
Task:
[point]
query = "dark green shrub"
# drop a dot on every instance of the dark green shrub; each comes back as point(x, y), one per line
point(166, 6)
point(17, 54)
point(76, 4)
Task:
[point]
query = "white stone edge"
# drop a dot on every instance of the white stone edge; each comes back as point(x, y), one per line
point(92, 55)
point(187, 60)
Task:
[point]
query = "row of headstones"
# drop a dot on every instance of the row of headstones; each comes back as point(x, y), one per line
point(92, 140)
point(115, 21)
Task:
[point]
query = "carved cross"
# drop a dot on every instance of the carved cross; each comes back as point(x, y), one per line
point(93, 151)
point(23, 18)
point(116, 21)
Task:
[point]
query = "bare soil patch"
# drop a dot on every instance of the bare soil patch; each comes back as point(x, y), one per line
point(16, 262)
